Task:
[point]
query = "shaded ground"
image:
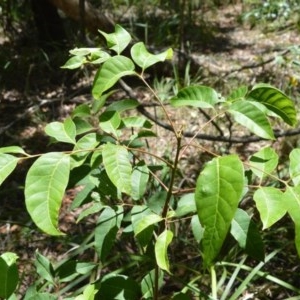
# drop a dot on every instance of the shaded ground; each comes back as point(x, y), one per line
point(35, 91)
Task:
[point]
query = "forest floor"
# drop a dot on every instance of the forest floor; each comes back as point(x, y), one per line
point(35, 91)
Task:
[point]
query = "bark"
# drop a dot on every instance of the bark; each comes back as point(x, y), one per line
point(93, 18)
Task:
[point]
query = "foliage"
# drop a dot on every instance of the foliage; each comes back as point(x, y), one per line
point(136, 194)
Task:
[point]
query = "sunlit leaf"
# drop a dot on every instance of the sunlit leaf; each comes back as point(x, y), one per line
point(139, 180)
point(111, 71)
point(292, 200)
point(45, 185)
point(197, 228)
point(244, 230)
point(276, 101)
point(197, 96)
point(264, 162)
point(161, 249)
point(118, 167)
point(147, 220)
point(12, 149)
point(74, 62)
point(88, 294)
point(270, 204)
point(62, 132)
point(238, 94)
point(218, 192)
point(7, 164)
point(144, 59)
point(109, 122)
point(295, 166)
point(248, 115)
point(117, 40)
point(147, 284)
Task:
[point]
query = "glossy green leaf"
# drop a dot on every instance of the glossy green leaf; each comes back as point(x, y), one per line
point(292, 200)
point(147, 284)
point(276, 101)
point(186, 205)
point(109, 122)
point(143, 231)
point(118, 167)
point(161, 249)
point(45, 186)
point(9, 275)
point(44, 267)
point(139, 180)
point(74, 62)
point(108, 225)
point(294, 168)
point(197, 96)
point(117, 40)
point(118, 287)
point(7, 164)
point(111, 71)
point(144, 59)
point(62, 132)
point(12, 149)
point(218, 191)
point(244, 230)
point(248, 115)
point(270, 204)
point(264, 162)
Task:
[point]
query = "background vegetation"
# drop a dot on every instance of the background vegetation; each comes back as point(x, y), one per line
point(221, 44)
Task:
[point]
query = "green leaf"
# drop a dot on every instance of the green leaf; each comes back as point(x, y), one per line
point(292, 200)
point(186, 205)
point(67, 271)
point(161, 250)
point(270, 204)
point(118, 287)
point(82, 110)
point(85, 267)
point(118, 40)
point(264, 162)
point(197, 228)
point(74, 62)
point(12, 149)
point(147, 284)
point(7, 164)
point(238, 94)
point(144, 59)
point(111, 71)
point(9, 276)
point(118, 167)
point(139, 180)
point(218, 192)
point(110, 121)
point(108, 225)
point(294, 168)
point(276, 101)
point(248, 115)
point(143, 231)
point(44, 267)
point(88, 143)
point(62, 132)
point(93, 209)
point(88, 294)
point(244, 230)
point(197, 96)
point(123, 105)
point(45, 185)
